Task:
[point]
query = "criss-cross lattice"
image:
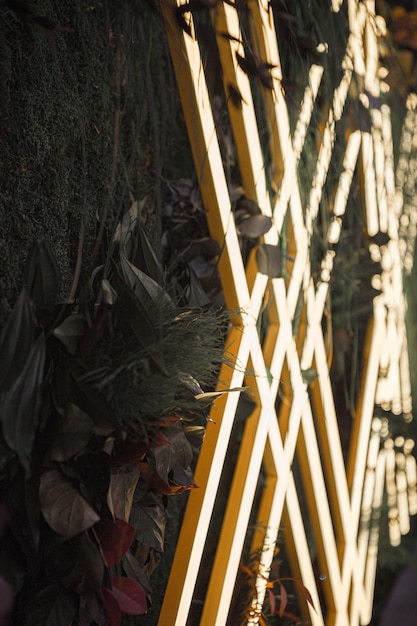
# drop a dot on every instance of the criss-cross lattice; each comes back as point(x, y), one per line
point(335, 494)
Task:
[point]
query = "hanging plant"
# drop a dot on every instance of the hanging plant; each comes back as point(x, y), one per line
point(102, 410)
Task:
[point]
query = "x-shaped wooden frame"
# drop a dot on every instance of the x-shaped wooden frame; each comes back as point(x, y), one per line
point(337, 496)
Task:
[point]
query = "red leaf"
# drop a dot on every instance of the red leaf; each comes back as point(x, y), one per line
point(284, 600)
point(129, 452)
point(112, 608)
point(247, 570)
point(157, 485)
point(115, 539)
point(303, 588)
point(306, 592)
point(166, 421)
point(130, 595)
point(272, 601)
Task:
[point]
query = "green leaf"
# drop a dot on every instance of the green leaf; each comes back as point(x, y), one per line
point(16, 340)
point(248, 206)
point(144, 287)
point(94, 471)
point(165, 459)
point(19, 406)
point(78, 564)
point(180, 444)
point(298, 313)
point(127, 225)
point(146, 259)
point(132, 312)
point(197, 297)
point(108, 293)
point(31, 503)
point(53, 605)
point(245, 408)
point(42, 275)
point(72, 433)
point(309, 375)
point(190, 383)
point(92, 400)
point(269, 260)
point(62, 505)
point(149, 519)
point(254, 226)
point(195, 435)
point(71, 331)
point(123, 483)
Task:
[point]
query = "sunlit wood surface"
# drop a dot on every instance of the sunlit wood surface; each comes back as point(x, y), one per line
point(339, 503)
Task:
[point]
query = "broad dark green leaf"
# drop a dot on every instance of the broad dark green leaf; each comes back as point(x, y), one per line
point(19, 406)
point(92, 400)
point(254, 226)
point(6, 455)
point(127, 226)
point(71, 331)
point(269, 260)
point(52, 606)
point(148, 558)
point(94, 471)
point(180, 445)
point(123, 483)
point(245, 408)
point(72, 433)
point(33, 512)
point(62, 505)
point(197, 297)
point(42, 275)
point(192, 385)
point(146, 259)
point(144, 287)
point(92, 609)
point(78, 564)
point(298, 313)
point(182, 477)
point(195, 435)
point(15, 341)
point(309, 375)
point(248, 206)
point(149, 519)
point(165, 459)
point(132, 312)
